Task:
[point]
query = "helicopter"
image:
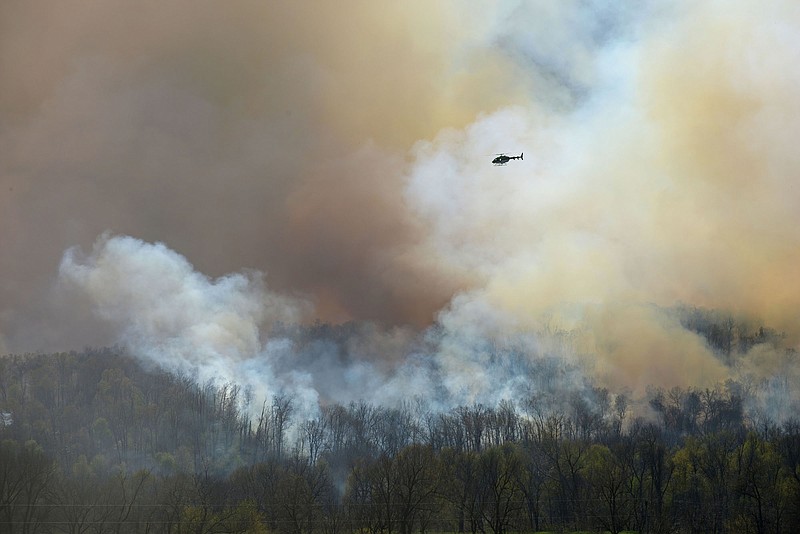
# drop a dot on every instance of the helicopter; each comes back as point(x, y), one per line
point(502, 159)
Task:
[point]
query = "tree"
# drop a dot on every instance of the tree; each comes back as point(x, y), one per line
point(787, 442)
point(499, 492)
point(761, 485)
point(26, 475)
point(117, 400)
point(303, 490)
point(649, 464)
point(567, 484)
point(361, 502)
point(531, 480)
point(312, 438)
point(460, 488)
point(417, 478)
point(609, 478)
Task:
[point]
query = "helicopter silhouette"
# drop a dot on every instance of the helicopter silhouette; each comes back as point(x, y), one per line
point(502, 159)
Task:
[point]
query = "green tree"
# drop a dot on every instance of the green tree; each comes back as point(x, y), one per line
point(610, 498)
point(416, 472)
point(761, 484)
point(26, 475)
point(499, 491)
point(460, 488)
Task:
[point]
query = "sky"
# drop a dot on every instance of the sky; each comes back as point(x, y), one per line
point(188, 173)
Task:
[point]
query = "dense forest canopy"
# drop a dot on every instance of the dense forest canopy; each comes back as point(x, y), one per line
point(97, 441)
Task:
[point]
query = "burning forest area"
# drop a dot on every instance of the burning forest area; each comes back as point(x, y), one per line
point(397, 267)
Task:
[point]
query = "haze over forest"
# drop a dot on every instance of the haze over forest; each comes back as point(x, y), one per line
point(192, 180)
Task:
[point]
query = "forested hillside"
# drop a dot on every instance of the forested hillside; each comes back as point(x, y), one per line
point(94, 442)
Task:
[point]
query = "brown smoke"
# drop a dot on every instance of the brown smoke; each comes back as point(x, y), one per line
point(673, 181)
point(264, 135)
point(344, 149)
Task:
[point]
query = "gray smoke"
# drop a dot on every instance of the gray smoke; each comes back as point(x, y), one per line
point(660, 165)
point(234, 330)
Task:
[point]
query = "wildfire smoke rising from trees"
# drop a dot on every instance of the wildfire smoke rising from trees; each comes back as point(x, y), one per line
point(343, 151)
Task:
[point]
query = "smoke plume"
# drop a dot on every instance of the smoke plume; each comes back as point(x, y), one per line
point(342, 153)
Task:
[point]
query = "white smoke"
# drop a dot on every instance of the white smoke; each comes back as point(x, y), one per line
point(168, 314)
point(659, 168)
point(215, 330)
point(662, 179)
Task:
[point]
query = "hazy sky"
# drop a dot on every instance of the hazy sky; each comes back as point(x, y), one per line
point(246, 135)
point(337, 155)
